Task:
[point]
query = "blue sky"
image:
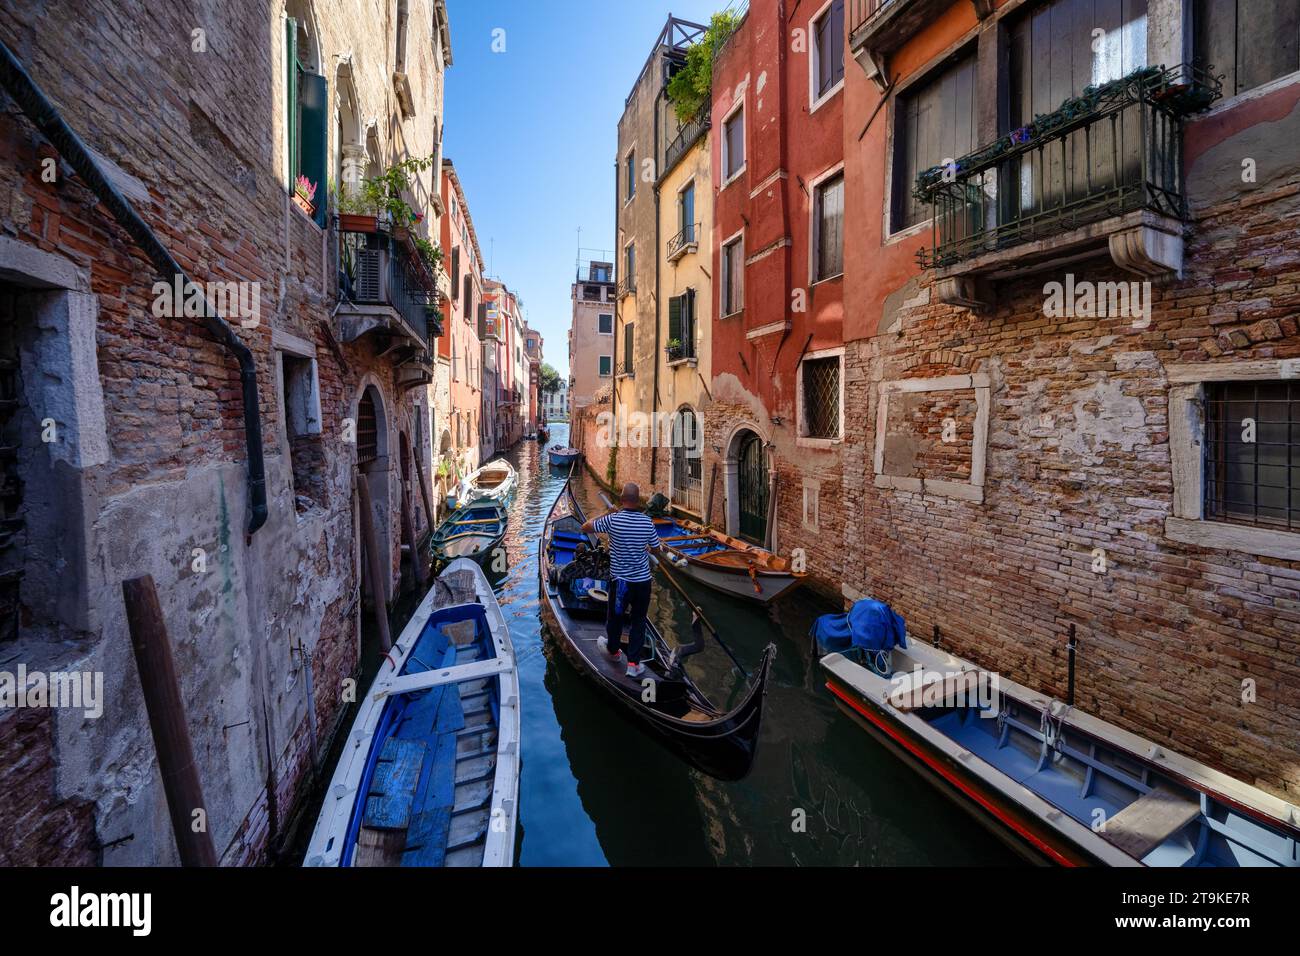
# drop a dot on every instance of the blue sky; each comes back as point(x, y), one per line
point(532, 131)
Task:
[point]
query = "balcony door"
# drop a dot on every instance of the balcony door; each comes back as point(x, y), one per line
point(1056, 50)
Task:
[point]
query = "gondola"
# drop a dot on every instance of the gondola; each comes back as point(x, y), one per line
point(677, 713)
point(429, 773)
point(472, 531)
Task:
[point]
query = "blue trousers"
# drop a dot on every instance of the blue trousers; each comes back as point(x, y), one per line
point(628, 601)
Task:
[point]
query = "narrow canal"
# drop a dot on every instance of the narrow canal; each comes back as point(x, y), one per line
point(597, 790)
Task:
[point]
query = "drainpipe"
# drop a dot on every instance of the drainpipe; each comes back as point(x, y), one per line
point(654, 398)
point(42, 113)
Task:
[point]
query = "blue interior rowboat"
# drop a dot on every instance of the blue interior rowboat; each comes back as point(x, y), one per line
point(562, 457)
point(430, 773)
point(471, 531)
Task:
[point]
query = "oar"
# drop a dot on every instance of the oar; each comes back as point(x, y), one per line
point(695, 608)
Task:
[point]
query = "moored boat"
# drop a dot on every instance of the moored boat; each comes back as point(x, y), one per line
point(562, 457)
point(429, 774)
point(471, 531)
point(725, 563)
point(495, 481)
point(574, 575)
point(1059, 785)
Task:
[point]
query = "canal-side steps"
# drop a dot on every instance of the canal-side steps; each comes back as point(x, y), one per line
point(429, 774)
point(1059, 785)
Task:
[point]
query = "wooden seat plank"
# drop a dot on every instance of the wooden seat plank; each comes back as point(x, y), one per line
point(1150, 820)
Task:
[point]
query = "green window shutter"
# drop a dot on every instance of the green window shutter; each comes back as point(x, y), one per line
point(291, 95)
point(312, 164)
point(675, 318)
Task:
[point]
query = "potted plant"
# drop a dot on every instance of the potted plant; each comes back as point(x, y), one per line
point(353, 212)
point(673, 349)
point(304, 194)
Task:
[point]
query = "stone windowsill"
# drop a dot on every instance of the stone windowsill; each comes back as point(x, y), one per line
point(688, 360)
point(1226, 536)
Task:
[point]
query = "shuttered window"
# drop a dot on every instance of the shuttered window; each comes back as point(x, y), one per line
point(828, 68)
point(1250, 42)
point(829, 227)
point(605, 323)
point(1052, 55)
point(933, 121)
point(455, 273)
point(733, 276)
point(733, 143)
point(307, 98)
point(681, 325)
point(629, 340)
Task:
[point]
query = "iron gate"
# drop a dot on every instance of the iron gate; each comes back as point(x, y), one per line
point(753, 489)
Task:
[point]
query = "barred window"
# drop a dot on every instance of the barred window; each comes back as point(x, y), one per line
point(1252, 453)
point(821, 397)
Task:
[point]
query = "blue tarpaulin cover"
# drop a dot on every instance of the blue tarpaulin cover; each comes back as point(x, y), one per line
point(871, 625)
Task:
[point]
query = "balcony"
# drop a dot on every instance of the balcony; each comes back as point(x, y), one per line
point(687, 136)
point(879, 27)
point(685, 241)
point(385, 285)
point(627, 286)
point(1103, 172)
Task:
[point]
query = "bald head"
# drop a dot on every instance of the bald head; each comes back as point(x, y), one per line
point(631, 496)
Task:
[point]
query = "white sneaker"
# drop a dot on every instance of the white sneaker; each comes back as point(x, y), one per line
point(635, 670)
point(603, 644)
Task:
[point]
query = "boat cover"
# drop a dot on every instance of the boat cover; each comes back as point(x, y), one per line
point(870, 625)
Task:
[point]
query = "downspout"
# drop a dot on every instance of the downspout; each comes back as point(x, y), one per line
point(654, 398)
point(620, 264)
point(784, 97)
point(46, 118)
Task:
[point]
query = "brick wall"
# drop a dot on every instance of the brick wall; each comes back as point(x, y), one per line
point(1078, 459)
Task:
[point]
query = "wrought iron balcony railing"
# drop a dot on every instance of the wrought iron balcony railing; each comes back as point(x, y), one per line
point(686, 137)
point(860, 11)
point(684, 241)
point(626, 286)
point(1115, 149)
point(377, 269)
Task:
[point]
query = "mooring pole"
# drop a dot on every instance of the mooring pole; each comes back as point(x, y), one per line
point(408, 531)
point(373, 565)
point(936, 636)
point(1071, 645)
point(429, 515)
point(171, 732)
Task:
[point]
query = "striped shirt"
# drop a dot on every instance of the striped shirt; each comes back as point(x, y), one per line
point(630, 533)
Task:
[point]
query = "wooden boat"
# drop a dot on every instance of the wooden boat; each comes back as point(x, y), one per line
point(495, 481)
point(471, 531)
point(725, 563)
point(678, 714)
point(1059, 785)
point(562, 457)
point(429, 774)
point(543, 433)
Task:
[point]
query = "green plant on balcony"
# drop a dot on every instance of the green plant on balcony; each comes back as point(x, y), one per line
point(673, 349)
point(382, 195)
point(431, 254)
point(690, 88)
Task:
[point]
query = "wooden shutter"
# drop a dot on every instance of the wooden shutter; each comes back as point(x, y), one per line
point(628, 342)
point(315, 136)
point(934, 122)
point(688, 322)
point(675, 318)
point(291, 94)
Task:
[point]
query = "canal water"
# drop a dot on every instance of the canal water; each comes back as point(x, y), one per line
point(596, 790)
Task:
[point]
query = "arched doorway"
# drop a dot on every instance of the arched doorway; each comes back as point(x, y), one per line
point(747, 484)
point(373, 468)
point(686, 482)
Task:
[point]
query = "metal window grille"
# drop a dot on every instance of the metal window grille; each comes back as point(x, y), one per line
point(1252, 459)
point(821, 397)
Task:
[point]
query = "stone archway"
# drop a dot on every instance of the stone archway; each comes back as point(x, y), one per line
point(374, 467)
point(745, 476)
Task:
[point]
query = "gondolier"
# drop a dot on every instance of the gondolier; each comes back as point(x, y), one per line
point(631, 536)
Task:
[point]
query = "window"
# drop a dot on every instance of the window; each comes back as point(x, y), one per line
point(733, 144)
point(455, 273)
point(828, 51)
point(605, 323)
point(1248, 41)
point(733, 276)
point(820, 394)
point(631, 176)
point(606, 365)
point(828, 228)
point(1252, 453)
point(307, 96)
point(591, 293)
point(934, 120)
point(681, 326)
point(629, 340)
point(686, 213)
point(600, 272)
point(302, 426)
point(629, 275)
point(468, 296)
point(1052, 55)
